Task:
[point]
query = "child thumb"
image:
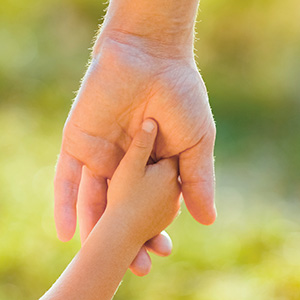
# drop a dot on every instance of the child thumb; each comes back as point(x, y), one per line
point(142, 145)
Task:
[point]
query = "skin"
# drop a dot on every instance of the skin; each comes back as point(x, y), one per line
point(142, 200)
point(142, 67)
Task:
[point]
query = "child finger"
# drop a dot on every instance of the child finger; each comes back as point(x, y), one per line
point(141, 265)
point(141, 147)
point(160, 245)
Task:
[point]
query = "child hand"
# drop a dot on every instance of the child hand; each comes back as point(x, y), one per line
point(145, 197)
point(142, 200)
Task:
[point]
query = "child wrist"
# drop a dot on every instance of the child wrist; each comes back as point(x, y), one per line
point(128, 230)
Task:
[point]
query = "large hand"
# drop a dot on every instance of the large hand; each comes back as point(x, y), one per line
point(123, 86)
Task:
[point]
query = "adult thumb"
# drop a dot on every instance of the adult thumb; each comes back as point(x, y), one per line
point(141, 146)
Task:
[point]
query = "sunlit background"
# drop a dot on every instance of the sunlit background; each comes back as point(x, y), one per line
point(249, 56)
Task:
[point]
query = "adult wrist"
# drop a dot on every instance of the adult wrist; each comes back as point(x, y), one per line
point(160, 26)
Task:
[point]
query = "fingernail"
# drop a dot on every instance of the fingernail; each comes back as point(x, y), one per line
point(148, 126)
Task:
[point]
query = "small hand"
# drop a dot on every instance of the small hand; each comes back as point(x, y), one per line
point(146, 196)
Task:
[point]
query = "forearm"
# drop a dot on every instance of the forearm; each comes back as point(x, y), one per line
point(100, 265)
point(167, 24)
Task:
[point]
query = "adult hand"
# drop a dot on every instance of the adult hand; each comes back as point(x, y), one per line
point(132, 78)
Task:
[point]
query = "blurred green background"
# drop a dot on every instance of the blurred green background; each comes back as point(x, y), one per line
point(249, 56)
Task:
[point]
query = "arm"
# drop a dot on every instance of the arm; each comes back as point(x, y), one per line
point(142, 201)
point(101, 263)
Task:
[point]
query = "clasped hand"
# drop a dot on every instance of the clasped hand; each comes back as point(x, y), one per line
point(123, 86)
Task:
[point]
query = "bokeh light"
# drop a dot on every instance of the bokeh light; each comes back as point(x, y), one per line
point(249, 56)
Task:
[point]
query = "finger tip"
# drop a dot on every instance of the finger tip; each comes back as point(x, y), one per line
point(167, 246)
point(65, 231)
point(140, 270)
point(203, 215)
point(63, 238)
point(160, 245)
point(142, 273)
point(65, 222)
point(199, 200)
point(141, 265)
point(207, 221)
point(208, 218)
point(166, 252)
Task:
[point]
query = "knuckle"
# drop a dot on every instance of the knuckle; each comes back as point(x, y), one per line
point(195, 181)
point(211, 131)
point(140, 143)
point(209, 136)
